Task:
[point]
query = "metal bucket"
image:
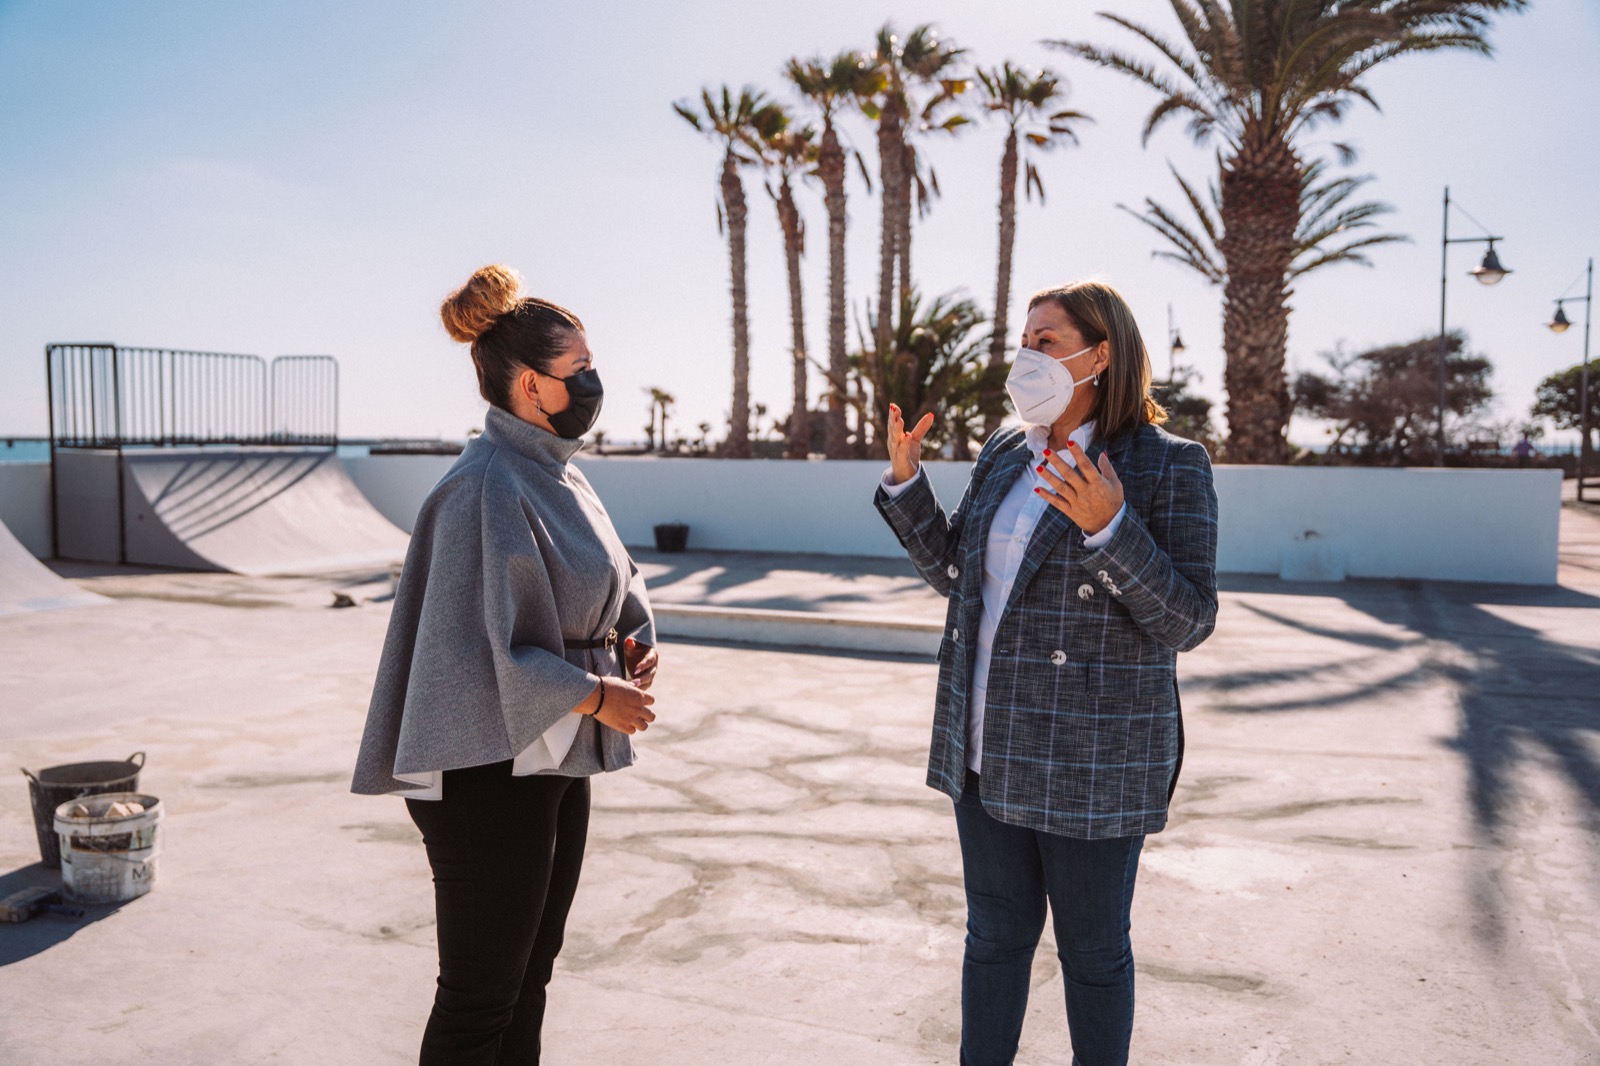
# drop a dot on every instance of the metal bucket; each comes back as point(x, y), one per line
point(55, 785)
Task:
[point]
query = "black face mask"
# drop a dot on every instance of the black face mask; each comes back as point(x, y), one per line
point(586, 394)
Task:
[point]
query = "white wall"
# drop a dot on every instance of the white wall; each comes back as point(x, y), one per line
point(1437, 525)
point(397, 484)
point(25, 504)
point(1448, 525)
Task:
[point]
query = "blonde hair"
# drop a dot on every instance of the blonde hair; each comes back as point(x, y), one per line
point(508, 332)
point(1100, 314)
point(472, 309)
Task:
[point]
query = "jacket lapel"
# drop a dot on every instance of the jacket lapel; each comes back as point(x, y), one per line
point(1054, 525)
point(1007, 469)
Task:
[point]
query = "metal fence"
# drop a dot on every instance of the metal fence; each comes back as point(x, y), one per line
point(106, 396)
point(304, 392)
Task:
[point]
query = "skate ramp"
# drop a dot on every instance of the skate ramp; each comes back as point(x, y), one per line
point(257, 512)
point(27, 585)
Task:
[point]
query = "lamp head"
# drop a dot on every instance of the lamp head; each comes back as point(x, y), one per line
point(1177, 343)
point(1561, 323)
point(1490, 272)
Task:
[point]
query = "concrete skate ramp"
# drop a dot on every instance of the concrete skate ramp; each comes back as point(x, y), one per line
point(26, 584)
point(259, 512)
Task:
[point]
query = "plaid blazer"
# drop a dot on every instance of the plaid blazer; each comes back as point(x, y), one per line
point(1082, 731)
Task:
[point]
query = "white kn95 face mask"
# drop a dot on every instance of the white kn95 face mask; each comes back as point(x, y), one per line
point(1041, 387)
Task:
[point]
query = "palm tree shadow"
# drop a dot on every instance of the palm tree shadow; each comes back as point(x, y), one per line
point(1526, 700)
point(43, 931)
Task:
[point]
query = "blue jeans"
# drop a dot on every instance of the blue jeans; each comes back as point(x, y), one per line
point(1010, 873)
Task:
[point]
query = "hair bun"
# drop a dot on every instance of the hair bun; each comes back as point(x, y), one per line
point(472, 309)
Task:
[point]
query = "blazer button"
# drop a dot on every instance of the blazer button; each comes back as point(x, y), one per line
point(954, 571)
point(1085, 591)
point(1058, 657)
point(955, 635)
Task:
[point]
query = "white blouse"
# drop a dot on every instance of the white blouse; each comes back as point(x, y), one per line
point(545, 753)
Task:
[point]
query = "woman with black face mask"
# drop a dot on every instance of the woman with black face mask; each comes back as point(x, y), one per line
point(517, 665)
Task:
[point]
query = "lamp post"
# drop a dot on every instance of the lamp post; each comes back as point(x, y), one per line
point(1174, 349)
point(1488, 272)
point(1560, 324)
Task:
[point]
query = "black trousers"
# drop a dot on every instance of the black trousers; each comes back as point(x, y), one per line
point(506, 853)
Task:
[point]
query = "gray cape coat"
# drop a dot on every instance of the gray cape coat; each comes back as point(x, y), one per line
point(512, 551)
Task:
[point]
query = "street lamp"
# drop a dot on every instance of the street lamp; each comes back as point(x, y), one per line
point(1175, 348)
point(1488, 272)
point(1560, 324)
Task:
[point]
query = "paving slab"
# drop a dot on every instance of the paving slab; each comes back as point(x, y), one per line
point(1385, 846)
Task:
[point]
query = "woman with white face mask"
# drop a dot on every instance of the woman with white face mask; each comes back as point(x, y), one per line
point(1079, 562)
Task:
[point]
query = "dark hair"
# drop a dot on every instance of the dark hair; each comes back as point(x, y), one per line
point(508, 332)
point(1099, 313)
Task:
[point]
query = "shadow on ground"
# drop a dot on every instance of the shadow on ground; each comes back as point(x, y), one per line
point(44, 931)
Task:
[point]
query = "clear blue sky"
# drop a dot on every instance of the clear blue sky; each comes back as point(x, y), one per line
point(298, 177)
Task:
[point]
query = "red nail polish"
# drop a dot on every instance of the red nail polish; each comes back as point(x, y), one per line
point(1047, 453)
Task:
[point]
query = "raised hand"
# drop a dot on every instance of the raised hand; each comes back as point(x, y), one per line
point(905, 446)
point(1090, 496)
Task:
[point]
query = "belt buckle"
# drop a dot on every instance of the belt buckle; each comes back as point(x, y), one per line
point(611, 638)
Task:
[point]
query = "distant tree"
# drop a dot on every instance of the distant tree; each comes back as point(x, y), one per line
point(844, 81)
point(1261, 77)
point(791, 153)
point(661, 403)
point(936, 361)
point(1557, 399)
point(919, 83)
point(1028, 103)
point(739, 123)
point(1383, 403)
point(1188, 412)
point(705, 436)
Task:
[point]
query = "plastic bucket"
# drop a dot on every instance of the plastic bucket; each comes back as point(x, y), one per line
point(52, 787)
point(106, 859)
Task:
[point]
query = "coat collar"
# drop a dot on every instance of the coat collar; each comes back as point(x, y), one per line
point(505, 430)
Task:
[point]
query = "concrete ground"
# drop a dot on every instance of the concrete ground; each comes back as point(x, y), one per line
point(1385, 847)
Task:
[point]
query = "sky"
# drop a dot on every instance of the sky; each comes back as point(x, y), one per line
point(303, 177)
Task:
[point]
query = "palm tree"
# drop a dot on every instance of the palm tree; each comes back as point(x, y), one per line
point(933, 362)
point(660, 401)
point(791, 152)
point(1022, 99)
point(920, 60)
point(740, 123)
point(1260, 76)
point(1325, 219)
point(845, 80)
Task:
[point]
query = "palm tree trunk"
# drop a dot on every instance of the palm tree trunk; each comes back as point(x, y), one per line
point(889, 160)
point(1002, 285)
point(831, 168)
point(906, 206)
point(1260, 191)
point(738, 445)
point(799, 420)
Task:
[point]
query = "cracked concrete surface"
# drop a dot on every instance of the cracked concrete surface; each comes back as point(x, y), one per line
point(1384, 848)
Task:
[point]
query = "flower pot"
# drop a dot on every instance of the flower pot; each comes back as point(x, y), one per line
point(671, 537)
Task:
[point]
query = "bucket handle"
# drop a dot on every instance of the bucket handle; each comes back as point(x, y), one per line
point(138, 767)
